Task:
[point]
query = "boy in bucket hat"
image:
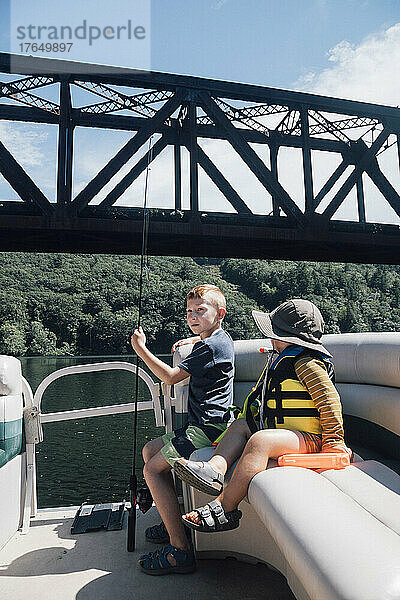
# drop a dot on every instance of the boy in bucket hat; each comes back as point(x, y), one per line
point(294, 408)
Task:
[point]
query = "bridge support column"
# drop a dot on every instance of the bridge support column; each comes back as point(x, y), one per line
point(307, 165)
point(274, 149)
point(178, 177)
point(65, 146)
point(360, 200)
point(194, 173)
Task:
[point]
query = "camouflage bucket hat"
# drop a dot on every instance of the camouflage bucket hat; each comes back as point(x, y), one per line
point(295, 322)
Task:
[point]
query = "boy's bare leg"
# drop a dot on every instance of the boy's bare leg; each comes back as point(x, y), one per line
point(151, 448)
point(157, 473)
point(265, 444)
point(230, 447)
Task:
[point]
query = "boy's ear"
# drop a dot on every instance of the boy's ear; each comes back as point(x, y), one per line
point(221, 312)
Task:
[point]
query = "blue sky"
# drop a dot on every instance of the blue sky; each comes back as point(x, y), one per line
point(268, 42)
point(344, 48)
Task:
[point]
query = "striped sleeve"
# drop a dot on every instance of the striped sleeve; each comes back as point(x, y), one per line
point(313, 375)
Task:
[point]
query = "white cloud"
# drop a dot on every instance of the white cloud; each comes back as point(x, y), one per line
point(24, 142)
point(34, 148)
point(367, 72)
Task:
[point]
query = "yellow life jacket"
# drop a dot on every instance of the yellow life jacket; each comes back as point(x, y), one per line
point(287, 403)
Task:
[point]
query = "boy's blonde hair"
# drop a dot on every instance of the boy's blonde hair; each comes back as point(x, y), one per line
point(214, 295)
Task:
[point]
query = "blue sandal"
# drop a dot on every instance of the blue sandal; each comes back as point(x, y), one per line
point(157, 563)
point(157, 534)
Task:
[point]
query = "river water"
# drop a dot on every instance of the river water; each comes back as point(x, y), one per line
point(88, 459)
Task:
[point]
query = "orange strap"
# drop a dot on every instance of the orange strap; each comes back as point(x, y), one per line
point(316, 460)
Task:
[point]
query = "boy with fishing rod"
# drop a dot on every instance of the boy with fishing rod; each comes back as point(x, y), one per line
point(210, 366)
point(294, 408)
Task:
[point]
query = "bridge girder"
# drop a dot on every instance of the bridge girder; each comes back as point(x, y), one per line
point(182, 110)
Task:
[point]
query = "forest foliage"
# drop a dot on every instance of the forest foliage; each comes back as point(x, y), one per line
point(64, 304)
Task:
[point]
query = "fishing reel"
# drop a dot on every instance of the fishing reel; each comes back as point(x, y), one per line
point(144, 499)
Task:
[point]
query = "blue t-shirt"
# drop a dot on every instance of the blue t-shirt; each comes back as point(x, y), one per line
point(211, 370)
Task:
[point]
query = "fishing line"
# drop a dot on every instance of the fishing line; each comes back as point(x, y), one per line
point(143, 266)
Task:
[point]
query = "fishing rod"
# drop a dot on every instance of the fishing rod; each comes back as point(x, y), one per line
point(143, 263)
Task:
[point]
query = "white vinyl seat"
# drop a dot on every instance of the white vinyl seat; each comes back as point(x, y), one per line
point(335, 549)
point(334, 535)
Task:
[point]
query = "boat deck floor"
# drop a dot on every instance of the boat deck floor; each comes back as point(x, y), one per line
point(49, 562)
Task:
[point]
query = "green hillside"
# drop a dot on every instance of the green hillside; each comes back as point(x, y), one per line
point(87, 304)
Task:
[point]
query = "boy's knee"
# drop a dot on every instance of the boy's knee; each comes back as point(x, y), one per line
point(155, 466)
point(259, 438)
point(151, 448)
point(149, 470)
point(146, 452)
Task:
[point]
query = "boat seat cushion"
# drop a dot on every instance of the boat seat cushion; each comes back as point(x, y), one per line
point(375, 403)
point(338, 549)
point(373, 486)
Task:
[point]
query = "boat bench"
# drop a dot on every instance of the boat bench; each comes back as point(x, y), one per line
point(334, 535)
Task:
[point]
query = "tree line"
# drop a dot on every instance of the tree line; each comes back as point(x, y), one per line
point(351, 297)
point(64, 304)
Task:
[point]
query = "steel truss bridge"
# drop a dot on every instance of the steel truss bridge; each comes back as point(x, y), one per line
point(180, 111)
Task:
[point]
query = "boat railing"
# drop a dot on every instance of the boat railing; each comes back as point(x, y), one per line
point(34, 418)
point(154, 389)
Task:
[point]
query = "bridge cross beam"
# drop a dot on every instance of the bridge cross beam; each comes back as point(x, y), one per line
point(126, 152)
point(361, 165)
point(20, 181)
point(251, 158)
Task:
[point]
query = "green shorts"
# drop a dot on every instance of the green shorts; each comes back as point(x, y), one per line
point(182, 442)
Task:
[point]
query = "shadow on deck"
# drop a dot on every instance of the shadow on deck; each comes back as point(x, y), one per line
point(51, 563)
